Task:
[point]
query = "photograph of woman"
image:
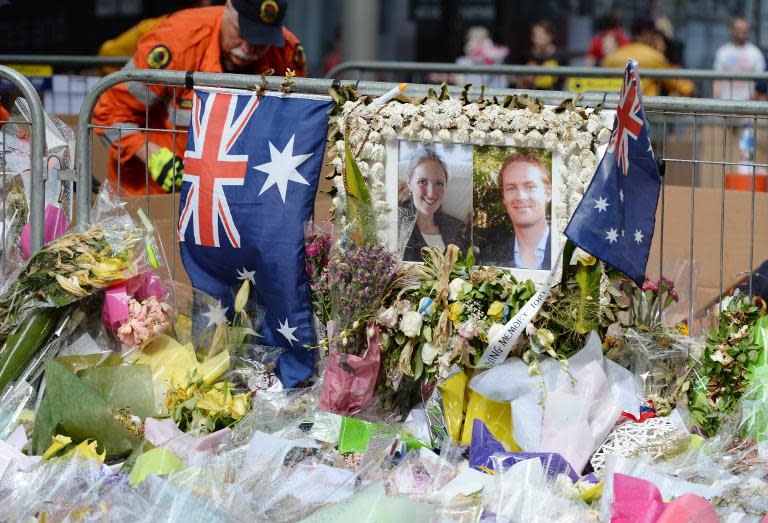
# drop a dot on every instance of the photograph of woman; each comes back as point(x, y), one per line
point(441, 214)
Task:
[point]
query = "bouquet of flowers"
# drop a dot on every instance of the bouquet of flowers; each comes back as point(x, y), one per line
point(722, 377)
point(448, 318)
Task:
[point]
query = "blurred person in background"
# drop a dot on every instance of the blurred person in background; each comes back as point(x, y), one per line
point(543, 52)
point(244, 36)
point(125, 43)
point(609, 38)
point(335, 54)
point(480, 49)
point(644, 35)
point(738, 56)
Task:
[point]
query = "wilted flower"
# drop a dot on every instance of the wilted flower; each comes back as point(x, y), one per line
point(468, 330)
point(387, 317)
point(411, 323)
point(145, 319)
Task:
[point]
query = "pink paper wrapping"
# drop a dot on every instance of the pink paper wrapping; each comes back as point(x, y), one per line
point(350, 380)
point(635, 500)
point(689, 508)
point(56, 224)
point(116, 297)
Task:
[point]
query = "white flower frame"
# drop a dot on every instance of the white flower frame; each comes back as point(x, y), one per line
point(577, 139)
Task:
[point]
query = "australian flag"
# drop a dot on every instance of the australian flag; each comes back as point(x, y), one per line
point(251, 171)
point(616, 218)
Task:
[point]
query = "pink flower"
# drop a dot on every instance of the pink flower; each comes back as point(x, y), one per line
point(145, 319)
point(649, 285)
point(312, 249)
point(468, 330)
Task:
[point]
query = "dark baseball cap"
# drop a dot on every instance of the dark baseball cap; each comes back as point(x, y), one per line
point(261, 21)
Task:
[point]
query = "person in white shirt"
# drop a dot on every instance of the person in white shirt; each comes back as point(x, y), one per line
point(737, 56)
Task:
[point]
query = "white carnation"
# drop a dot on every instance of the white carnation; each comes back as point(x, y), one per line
point(378, 153)
point(444, 135)
point(409, 133)
point(496, 136)
point(426, 136)
point(472, 110)
point(374, 136)
point(573, 200)
point(574, 163)
point(519, 138)
point(462, 122)
point(534, 138)
point(550, 139)
point(388, 133)
point(477, 136)
point(461, 135)
point(338, 164)
point(381, 207)
point(594, 123)
point(340, 146)
point(483, 123)
point(367, 151)
point(378, 189)
point(377, 170)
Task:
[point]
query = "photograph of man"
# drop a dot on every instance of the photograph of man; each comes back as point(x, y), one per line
point(424, 193)
point(523, 239)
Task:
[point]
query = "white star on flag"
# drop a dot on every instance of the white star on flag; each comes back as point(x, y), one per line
point(612, 235)
point(216, 314)
point(621, 195)
point(638, 236)
point(601, 204)
point(282, 168)
point(246, 275)
point(287, 332)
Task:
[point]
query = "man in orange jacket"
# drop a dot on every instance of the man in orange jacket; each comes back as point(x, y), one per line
point(244, 36)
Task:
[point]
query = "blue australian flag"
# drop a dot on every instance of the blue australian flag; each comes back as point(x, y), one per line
point(616, 218)
point(251, 171)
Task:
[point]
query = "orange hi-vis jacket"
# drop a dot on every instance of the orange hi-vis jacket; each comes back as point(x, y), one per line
point(188, 40)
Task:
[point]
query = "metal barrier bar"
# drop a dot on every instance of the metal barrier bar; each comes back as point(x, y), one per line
point(37, 154)
point(559, 71)
point(64, 60)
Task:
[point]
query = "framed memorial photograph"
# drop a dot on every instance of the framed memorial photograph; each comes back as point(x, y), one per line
point(514, 216)
point(434, 185)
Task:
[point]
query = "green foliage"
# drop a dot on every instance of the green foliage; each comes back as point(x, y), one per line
point(732, 348)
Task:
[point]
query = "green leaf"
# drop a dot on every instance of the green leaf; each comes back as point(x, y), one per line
point(753, 354)
point(470, 260)
point(426, 331)
point(587, 314)
point(400, 338)
point(418, 365)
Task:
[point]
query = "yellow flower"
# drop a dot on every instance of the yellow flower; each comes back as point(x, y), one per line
point(454, 312)
point(584, 258)
point(242, 296)
point(495, 310)
point(58, 442)
point(87, 449)
point(109, 269)
point(216, 399)
point(240, 405)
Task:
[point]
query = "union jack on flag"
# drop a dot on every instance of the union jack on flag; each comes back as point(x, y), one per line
point(616, 218)
point(251, 172)
point(209, 166)
point(630, 119)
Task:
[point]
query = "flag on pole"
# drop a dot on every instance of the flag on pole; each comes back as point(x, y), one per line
point(616, 218)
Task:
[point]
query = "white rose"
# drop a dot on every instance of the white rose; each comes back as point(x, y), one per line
point(457, 288)
point(428, 353)
point(426, 136)
point(410, 325)
point(494, 329)
point(388, 133)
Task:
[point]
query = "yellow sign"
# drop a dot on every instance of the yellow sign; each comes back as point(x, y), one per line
point(579, 85)
point(33, 69)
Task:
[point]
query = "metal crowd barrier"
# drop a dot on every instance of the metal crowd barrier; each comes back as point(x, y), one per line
point(36, 127)
point(579, 78)
point(72, 61)
point(708, 231)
